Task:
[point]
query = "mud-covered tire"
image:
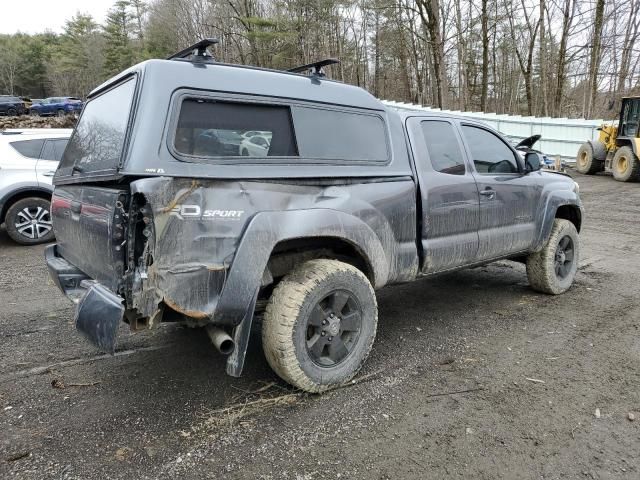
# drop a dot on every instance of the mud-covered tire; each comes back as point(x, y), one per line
point(28, 209)
point(625, 165)
point(293, 324)
point(599, 152)
point(543, 266)
point(588, 159)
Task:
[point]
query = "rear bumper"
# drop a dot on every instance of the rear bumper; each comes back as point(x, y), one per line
point(67, 277)
point(98, 310)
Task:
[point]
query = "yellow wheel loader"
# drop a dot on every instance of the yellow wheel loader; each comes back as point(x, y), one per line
point(617, 148)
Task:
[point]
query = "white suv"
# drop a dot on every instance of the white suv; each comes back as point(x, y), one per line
point(28, 160)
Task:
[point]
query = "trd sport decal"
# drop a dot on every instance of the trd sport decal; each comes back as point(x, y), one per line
point(194, 211)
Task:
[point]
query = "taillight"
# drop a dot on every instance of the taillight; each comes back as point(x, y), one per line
point(59, 202)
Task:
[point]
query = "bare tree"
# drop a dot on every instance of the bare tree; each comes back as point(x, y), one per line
point(430, 14)
point(485, 55)
point(594, 62)
point(568, 13)
point(524, 39)
point(558, 57)
point(10, 61)
point(542, 60)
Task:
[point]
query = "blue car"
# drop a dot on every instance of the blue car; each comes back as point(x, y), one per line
point(59, 106)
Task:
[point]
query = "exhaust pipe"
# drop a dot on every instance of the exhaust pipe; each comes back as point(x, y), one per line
point(221, 340)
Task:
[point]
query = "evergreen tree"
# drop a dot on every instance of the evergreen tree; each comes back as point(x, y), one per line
point(76, 65)
point(118, 31)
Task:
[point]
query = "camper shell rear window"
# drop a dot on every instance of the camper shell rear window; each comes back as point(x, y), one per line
point(98, 141)
point(236, 130)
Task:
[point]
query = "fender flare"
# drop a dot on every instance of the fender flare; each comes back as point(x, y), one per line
point(266, 229)
point(555, 200)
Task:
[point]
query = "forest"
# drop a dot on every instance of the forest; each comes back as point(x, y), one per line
point(561, 58)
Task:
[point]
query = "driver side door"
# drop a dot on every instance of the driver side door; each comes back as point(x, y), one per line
point(508, 198)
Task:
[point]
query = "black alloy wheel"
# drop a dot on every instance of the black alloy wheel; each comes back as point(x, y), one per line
point(564, 257)
point(333, 328)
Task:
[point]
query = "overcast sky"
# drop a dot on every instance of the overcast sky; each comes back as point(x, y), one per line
point(34, 16)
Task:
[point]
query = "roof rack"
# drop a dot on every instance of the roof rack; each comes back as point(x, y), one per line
point(315, 69)
point(196, 52)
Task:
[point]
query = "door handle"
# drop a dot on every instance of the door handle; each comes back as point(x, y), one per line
point(488, 192)
point(49, 174)
point(76, 207)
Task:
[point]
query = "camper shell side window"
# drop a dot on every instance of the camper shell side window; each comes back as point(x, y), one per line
point(210, 128)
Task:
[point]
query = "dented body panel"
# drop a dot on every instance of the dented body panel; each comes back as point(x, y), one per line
point(217, 237)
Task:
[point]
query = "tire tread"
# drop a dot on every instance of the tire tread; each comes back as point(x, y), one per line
point(540, 265)
point(595, 157)
point(634, 175)
point(281, 316)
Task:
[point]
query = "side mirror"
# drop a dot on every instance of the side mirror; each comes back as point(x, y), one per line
point(533, 162)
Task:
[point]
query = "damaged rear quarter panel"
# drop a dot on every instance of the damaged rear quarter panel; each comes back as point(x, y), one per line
point(212, 238)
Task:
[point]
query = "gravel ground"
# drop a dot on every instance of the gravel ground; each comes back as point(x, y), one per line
point(473, 375)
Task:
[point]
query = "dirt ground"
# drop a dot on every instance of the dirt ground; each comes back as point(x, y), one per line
point(473, 375)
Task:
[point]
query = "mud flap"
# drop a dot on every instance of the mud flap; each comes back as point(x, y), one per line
point(98, 317)
point(241, 334)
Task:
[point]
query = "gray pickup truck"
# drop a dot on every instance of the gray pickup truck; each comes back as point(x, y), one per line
point(214, 195)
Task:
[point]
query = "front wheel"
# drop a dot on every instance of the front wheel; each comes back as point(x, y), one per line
point(320, 324)
point(61, 113)
point(28, 221)
point(552, 269)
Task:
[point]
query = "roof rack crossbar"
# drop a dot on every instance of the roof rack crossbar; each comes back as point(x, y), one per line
point(315, 68)
point(199, 48)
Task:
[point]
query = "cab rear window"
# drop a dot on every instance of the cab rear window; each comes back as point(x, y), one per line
point(97, 142)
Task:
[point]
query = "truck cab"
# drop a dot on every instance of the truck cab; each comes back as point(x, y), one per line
point(162, 214)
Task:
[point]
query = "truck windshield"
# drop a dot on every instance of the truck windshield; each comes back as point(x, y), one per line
point(98, 139)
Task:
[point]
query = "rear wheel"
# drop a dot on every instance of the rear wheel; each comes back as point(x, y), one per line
point(34, 113)
point(320, 324)
point(552, 269)
point(625, 165)
point(60, 113)
point(28, 221)
point(12, 112)
point(589, 159)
